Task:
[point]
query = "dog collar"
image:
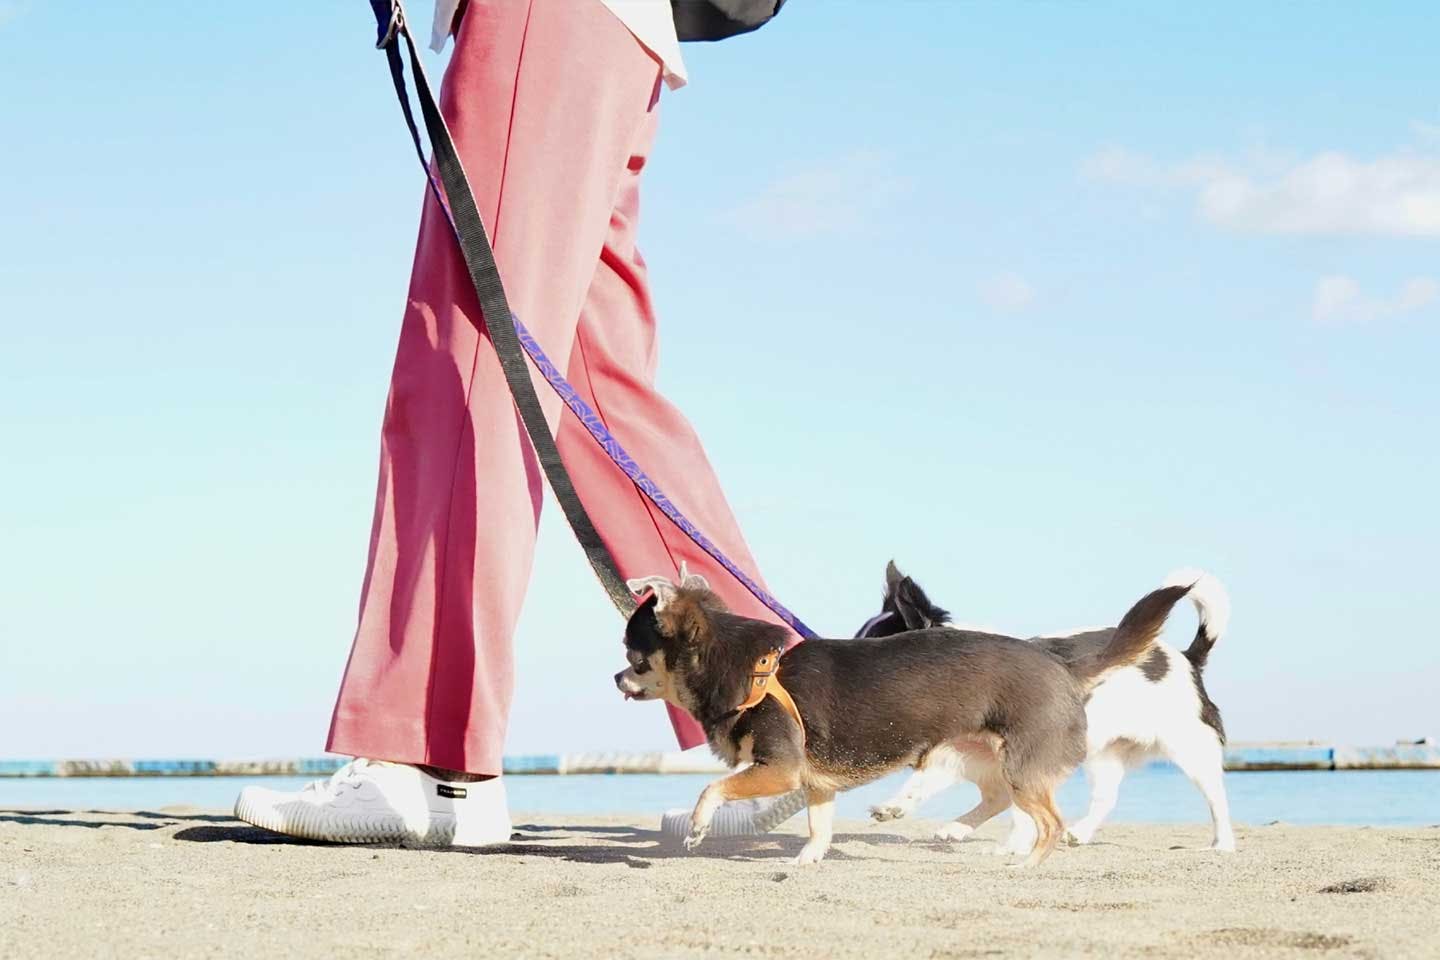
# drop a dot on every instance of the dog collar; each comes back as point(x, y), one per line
point(764, 683)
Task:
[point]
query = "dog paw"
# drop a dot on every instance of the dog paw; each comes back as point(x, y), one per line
point(1078, 836)
point(1013, 847)
point(888, 811)
point(1224, 846)
point(810, 854)
point(954, 831)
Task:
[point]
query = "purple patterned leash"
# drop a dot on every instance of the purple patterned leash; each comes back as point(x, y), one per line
point(642, 481)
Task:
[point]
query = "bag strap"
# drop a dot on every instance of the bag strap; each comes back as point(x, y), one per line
point(512, 341)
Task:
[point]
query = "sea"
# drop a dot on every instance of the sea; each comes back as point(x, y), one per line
point(1158, 793)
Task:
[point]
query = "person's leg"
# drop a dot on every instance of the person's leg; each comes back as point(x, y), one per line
point(612, 366)
point(545, 99)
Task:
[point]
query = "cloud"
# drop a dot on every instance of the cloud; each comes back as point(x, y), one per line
point(1396, 194)
point(840, 196)
point(1339, 300)
point(11, 10)
point(1426, 132)
point(1008, 292)
point(1122, 166)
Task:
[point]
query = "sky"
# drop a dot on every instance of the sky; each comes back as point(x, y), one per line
point(1041, 300)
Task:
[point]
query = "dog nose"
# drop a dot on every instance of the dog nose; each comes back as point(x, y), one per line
point(619, 677)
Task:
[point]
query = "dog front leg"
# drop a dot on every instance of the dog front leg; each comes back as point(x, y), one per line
point(940, 769)
point(994, 797)
point(1105, 771)
point(1023, 835)
point(756, 780)
point(822, 821)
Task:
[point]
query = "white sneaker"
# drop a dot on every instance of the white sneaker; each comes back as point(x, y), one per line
point(371, 801)
point(738, 818)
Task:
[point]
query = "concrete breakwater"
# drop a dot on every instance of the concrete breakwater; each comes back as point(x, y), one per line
point(1424, 755)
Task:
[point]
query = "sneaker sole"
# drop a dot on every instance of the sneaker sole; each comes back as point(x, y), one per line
point(314, 825)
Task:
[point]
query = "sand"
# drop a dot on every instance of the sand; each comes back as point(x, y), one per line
point(190, 883)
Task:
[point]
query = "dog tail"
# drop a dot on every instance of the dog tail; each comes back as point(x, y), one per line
point(1135, 635)
point(1212, 603)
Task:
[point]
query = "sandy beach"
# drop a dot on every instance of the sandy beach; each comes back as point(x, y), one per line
point(187, 882)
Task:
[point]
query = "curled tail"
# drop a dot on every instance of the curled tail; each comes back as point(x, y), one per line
point(1135, 635)
point(1212, 603)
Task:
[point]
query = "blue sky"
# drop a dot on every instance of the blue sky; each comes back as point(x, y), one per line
point(1042, 300)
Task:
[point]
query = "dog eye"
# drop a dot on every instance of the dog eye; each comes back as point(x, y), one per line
point(642, 666)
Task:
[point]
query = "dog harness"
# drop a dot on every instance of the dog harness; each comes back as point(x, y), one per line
point(764, 683)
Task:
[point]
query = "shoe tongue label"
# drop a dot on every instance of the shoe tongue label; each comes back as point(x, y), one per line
point(454, 793)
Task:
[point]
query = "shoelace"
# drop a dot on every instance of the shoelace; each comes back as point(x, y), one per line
point(348, 774)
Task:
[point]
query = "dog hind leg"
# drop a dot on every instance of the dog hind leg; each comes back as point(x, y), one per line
point(1039, 803)
point(1200, 757)
point(1105, 770)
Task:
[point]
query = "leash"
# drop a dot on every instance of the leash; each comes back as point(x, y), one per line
point(512, 341)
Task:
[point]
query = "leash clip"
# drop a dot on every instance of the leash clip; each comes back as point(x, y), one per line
point(388, 30)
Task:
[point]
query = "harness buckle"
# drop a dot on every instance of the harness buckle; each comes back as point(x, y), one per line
point(764, 671)
point(387, 28)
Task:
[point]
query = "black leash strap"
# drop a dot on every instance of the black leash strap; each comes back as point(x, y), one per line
point(459, 206)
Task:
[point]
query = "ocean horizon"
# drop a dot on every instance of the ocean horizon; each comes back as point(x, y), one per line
point(1157, 793)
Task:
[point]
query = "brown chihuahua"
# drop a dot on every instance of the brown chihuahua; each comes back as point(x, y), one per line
point(829, 715)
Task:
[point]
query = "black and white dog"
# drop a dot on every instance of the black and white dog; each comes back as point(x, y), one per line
point(1157, 707)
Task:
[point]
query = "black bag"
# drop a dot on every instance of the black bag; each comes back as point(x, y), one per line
point(718, 19)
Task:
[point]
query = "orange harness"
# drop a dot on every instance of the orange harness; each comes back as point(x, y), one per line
point(764, 682)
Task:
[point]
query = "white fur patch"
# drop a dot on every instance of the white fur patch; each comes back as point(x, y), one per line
point(1208, 594)
point(873, 622)
point(1155, 719)
point(1130, 719)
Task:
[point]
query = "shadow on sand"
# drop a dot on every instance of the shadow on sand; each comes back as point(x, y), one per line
point(577, 843)
point(87, 818)
point(631, 846)
point(46, 818)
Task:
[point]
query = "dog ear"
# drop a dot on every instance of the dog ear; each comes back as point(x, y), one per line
point(893, 577)
point(915, 608)
point(692, 581)
point(663, 588)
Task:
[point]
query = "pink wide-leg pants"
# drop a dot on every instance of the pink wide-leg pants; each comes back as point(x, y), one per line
point(552, 104)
